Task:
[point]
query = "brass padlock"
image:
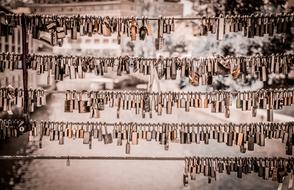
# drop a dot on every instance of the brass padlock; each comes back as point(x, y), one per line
point(61, 136)
point(134, 138)
point(159, 43)
point(107, 136)
point(194, 78)
point(206, 101)
point(81, 132)
point(68, 104)
point(86, 139)
point(106, 27)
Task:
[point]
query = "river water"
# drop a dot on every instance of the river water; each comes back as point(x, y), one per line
point(132, 175)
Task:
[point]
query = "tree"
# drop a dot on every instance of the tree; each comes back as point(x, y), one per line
point(174, 47)
point(243, 7)
point(235, 43)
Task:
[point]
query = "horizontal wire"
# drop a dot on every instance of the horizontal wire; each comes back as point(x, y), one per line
point(139, 92)
point(153, 18)
point(143, 126)
point(289, 123)
point(58, 56)
point(39, 157)
point(142, 92)
point(32, 157)
point(136, 92)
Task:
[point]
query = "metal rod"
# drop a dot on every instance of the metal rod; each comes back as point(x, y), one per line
point(137, 91)
point(155, 18)
point(141, 92)
point(39, 157)
point(289, 123)
point(129, 17)
point(32, 157)
point(58, 56)
point(24, 67)
point(166, 92)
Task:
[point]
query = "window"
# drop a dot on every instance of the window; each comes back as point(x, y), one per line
point(6, 48)
point(88, 41)
point(97, 41)
point(105, 41)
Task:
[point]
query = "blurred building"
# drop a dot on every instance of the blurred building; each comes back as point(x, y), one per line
point(98, 45)
point(291, 4)
point(13, 44)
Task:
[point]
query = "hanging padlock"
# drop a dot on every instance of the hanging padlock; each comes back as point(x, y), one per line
point(51, 133)
point(133, 28)
point(164, 25)
point(134, 135)
point(72, 69)
point(61, 134)
point(106, 28)
point(185, 179)
point(128, 145)
point(69, 130)
point(86, 139)
point(83, 105)
point(206, 101)
point(250, 145)
point(100, 135)
point(74, 32)
point(68, 104)
point(220, 28)
point(159, 40)
point(107, 136)
point(81, 131)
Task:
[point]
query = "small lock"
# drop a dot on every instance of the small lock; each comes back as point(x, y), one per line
point(242, 149)
point(119, 139)
point(185, 179)
point(159, 43)
point(61, 137)
point(133, 29)
point(86, 139)
point(83, 106)
point(68, 106)
point(250, 143)
point(128, 148)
